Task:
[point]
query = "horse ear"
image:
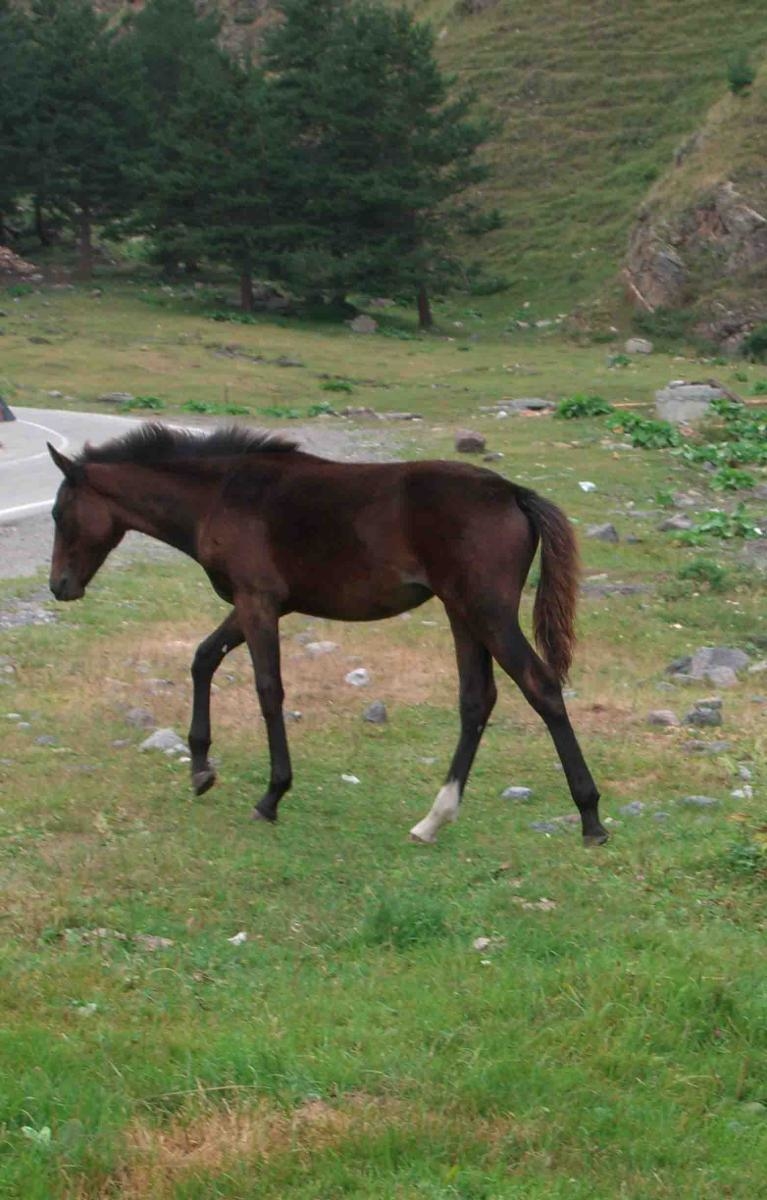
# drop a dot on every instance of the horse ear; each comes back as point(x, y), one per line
point(65, 465)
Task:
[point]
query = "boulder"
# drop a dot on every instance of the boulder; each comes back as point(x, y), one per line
point(684, 403)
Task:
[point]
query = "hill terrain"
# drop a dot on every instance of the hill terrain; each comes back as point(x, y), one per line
point(592, 100)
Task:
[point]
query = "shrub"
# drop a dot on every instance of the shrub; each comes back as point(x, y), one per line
point(582, 405)
point(646, 433)
point(740, 73)
point(754, 344)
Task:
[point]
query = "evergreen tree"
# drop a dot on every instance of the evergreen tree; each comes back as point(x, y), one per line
point(171, 39)
point(213, 181)
point(89, 124)
point(16, 92)
point(381, 152)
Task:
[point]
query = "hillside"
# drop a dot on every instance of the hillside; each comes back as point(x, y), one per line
point(701, 236)
point(592, 100)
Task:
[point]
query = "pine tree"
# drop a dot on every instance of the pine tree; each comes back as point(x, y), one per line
point(381, 152)
point(88, 125)
point(171, 39)
point(213, 183)
point(16, 105)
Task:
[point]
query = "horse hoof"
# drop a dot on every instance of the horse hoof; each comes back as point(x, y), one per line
point(202, 781)
point(595, 839)
point(417, 840)
point(256, 815)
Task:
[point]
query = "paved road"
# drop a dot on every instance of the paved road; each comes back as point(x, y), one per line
point(28, 478)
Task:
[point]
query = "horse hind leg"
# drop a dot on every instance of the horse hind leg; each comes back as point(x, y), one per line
point(477, 698)
point(541, 688)
point(210, 653)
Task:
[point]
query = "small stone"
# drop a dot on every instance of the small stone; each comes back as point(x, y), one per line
point(165, 740)
point(756, 1107)
point(698, 802)
point(288, 360)
point(359, 677)
point(661, 816)
point(677, 522)
point(722, 676)
point(663, 717)
point(586, 485)
point(517, 793)
point(467, 442)
point(493, 456)
point(638, 346)
point(745, 772)
point(376, 713)
point(715, 747)
point(151, 941)
point(350, 779)
point(141, 718)
point(603, 533)
point(755, 669)
point(546, 826)
point(481, 943)
point(46, 739)
point(634, 809)
point(120, 743)
point(703, 717)
point(708, 657)
point(743, 793)
point(709, 702)
point(238, 938)
point(116, 398)
point(294, 714)
point(316, 649)
point(363, 324)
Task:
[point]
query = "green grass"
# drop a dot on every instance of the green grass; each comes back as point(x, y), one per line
point(357, 1044)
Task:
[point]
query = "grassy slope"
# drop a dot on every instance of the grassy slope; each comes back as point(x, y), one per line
point(592, 98)
point(356, 1044)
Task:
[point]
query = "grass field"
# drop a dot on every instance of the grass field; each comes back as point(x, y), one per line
point(608, 1041)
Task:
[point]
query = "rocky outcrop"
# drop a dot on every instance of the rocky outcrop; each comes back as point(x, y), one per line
point(700, 239)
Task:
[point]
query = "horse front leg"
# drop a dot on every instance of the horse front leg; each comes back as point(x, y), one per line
point(207, 659)
point(259, 620)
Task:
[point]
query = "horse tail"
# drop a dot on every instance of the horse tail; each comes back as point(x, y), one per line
point(557, 592)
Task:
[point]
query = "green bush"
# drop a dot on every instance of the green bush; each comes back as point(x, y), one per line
point(665, 324)
point(754, 344)
point(582, 405)
point(740, 73)
point(646, 433)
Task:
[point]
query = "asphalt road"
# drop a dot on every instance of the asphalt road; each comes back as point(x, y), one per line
point(28, 479)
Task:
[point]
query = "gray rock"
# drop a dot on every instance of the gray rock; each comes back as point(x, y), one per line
point(675, 523)
point(121, 743)
point(288, 360)
point(547, 826)
point(603, 533)
point(317, 649)
point(708, 657)
point(467, 442)
point(46, 739)
point(529, 404)
point(663, 717)
point(698, 802)
point(359, 677)
point(114, 398)
point(140, 718)
point(755, 554)
point(714, 747)
point(493, 456)
point(634, 809)
point(703, 717)
point(363, 324)
point(167, 741)
point(376, 713)
point(517, 793)
point(661, 816)
point(638, 346)
point(722, 676)
point(684, 403)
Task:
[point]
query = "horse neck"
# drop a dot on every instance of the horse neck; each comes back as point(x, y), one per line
point(157, 501)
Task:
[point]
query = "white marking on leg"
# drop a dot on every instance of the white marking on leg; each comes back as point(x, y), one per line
point(443, 810)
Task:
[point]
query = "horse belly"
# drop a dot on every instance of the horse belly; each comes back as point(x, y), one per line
point(356, 600)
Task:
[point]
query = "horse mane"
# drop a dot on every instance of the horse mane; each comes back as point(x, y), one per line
point(152, 443)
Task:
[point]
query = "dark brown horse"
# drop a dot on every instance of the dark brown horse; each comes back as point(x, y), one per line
point(280, 531)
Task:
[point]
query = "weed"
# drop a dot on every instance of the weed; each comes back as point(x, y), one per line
point(645, 432)
point(759, 388)
point(336, 385)
point(718, 524)
point(402, 921)
point(152, 403)
point(740, 72)
point(754, 344)
point(705, 570)
point(582, 405)
point(204, 406)
point(731, 479)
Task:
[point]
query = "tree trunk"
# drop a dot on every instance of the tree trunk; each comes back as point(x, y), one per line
point(425, 318)
point(247, 300)
point(40, 229)
point(84, 244)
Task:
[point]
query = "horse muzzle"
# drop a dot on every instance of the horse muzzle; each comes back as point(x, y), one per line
point(66, 588)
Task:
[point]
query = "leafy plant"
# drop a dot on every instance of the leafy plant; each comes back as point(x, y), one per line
point(404, 921)
point(716, 523)
point(731, 479)
point(203, 406)
point(233, 314)
point(704, 570)
point(336, 385)
point(645, 432)
point(619, 360)
point(582, 405)
point(152, 403)
point(759, 388)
